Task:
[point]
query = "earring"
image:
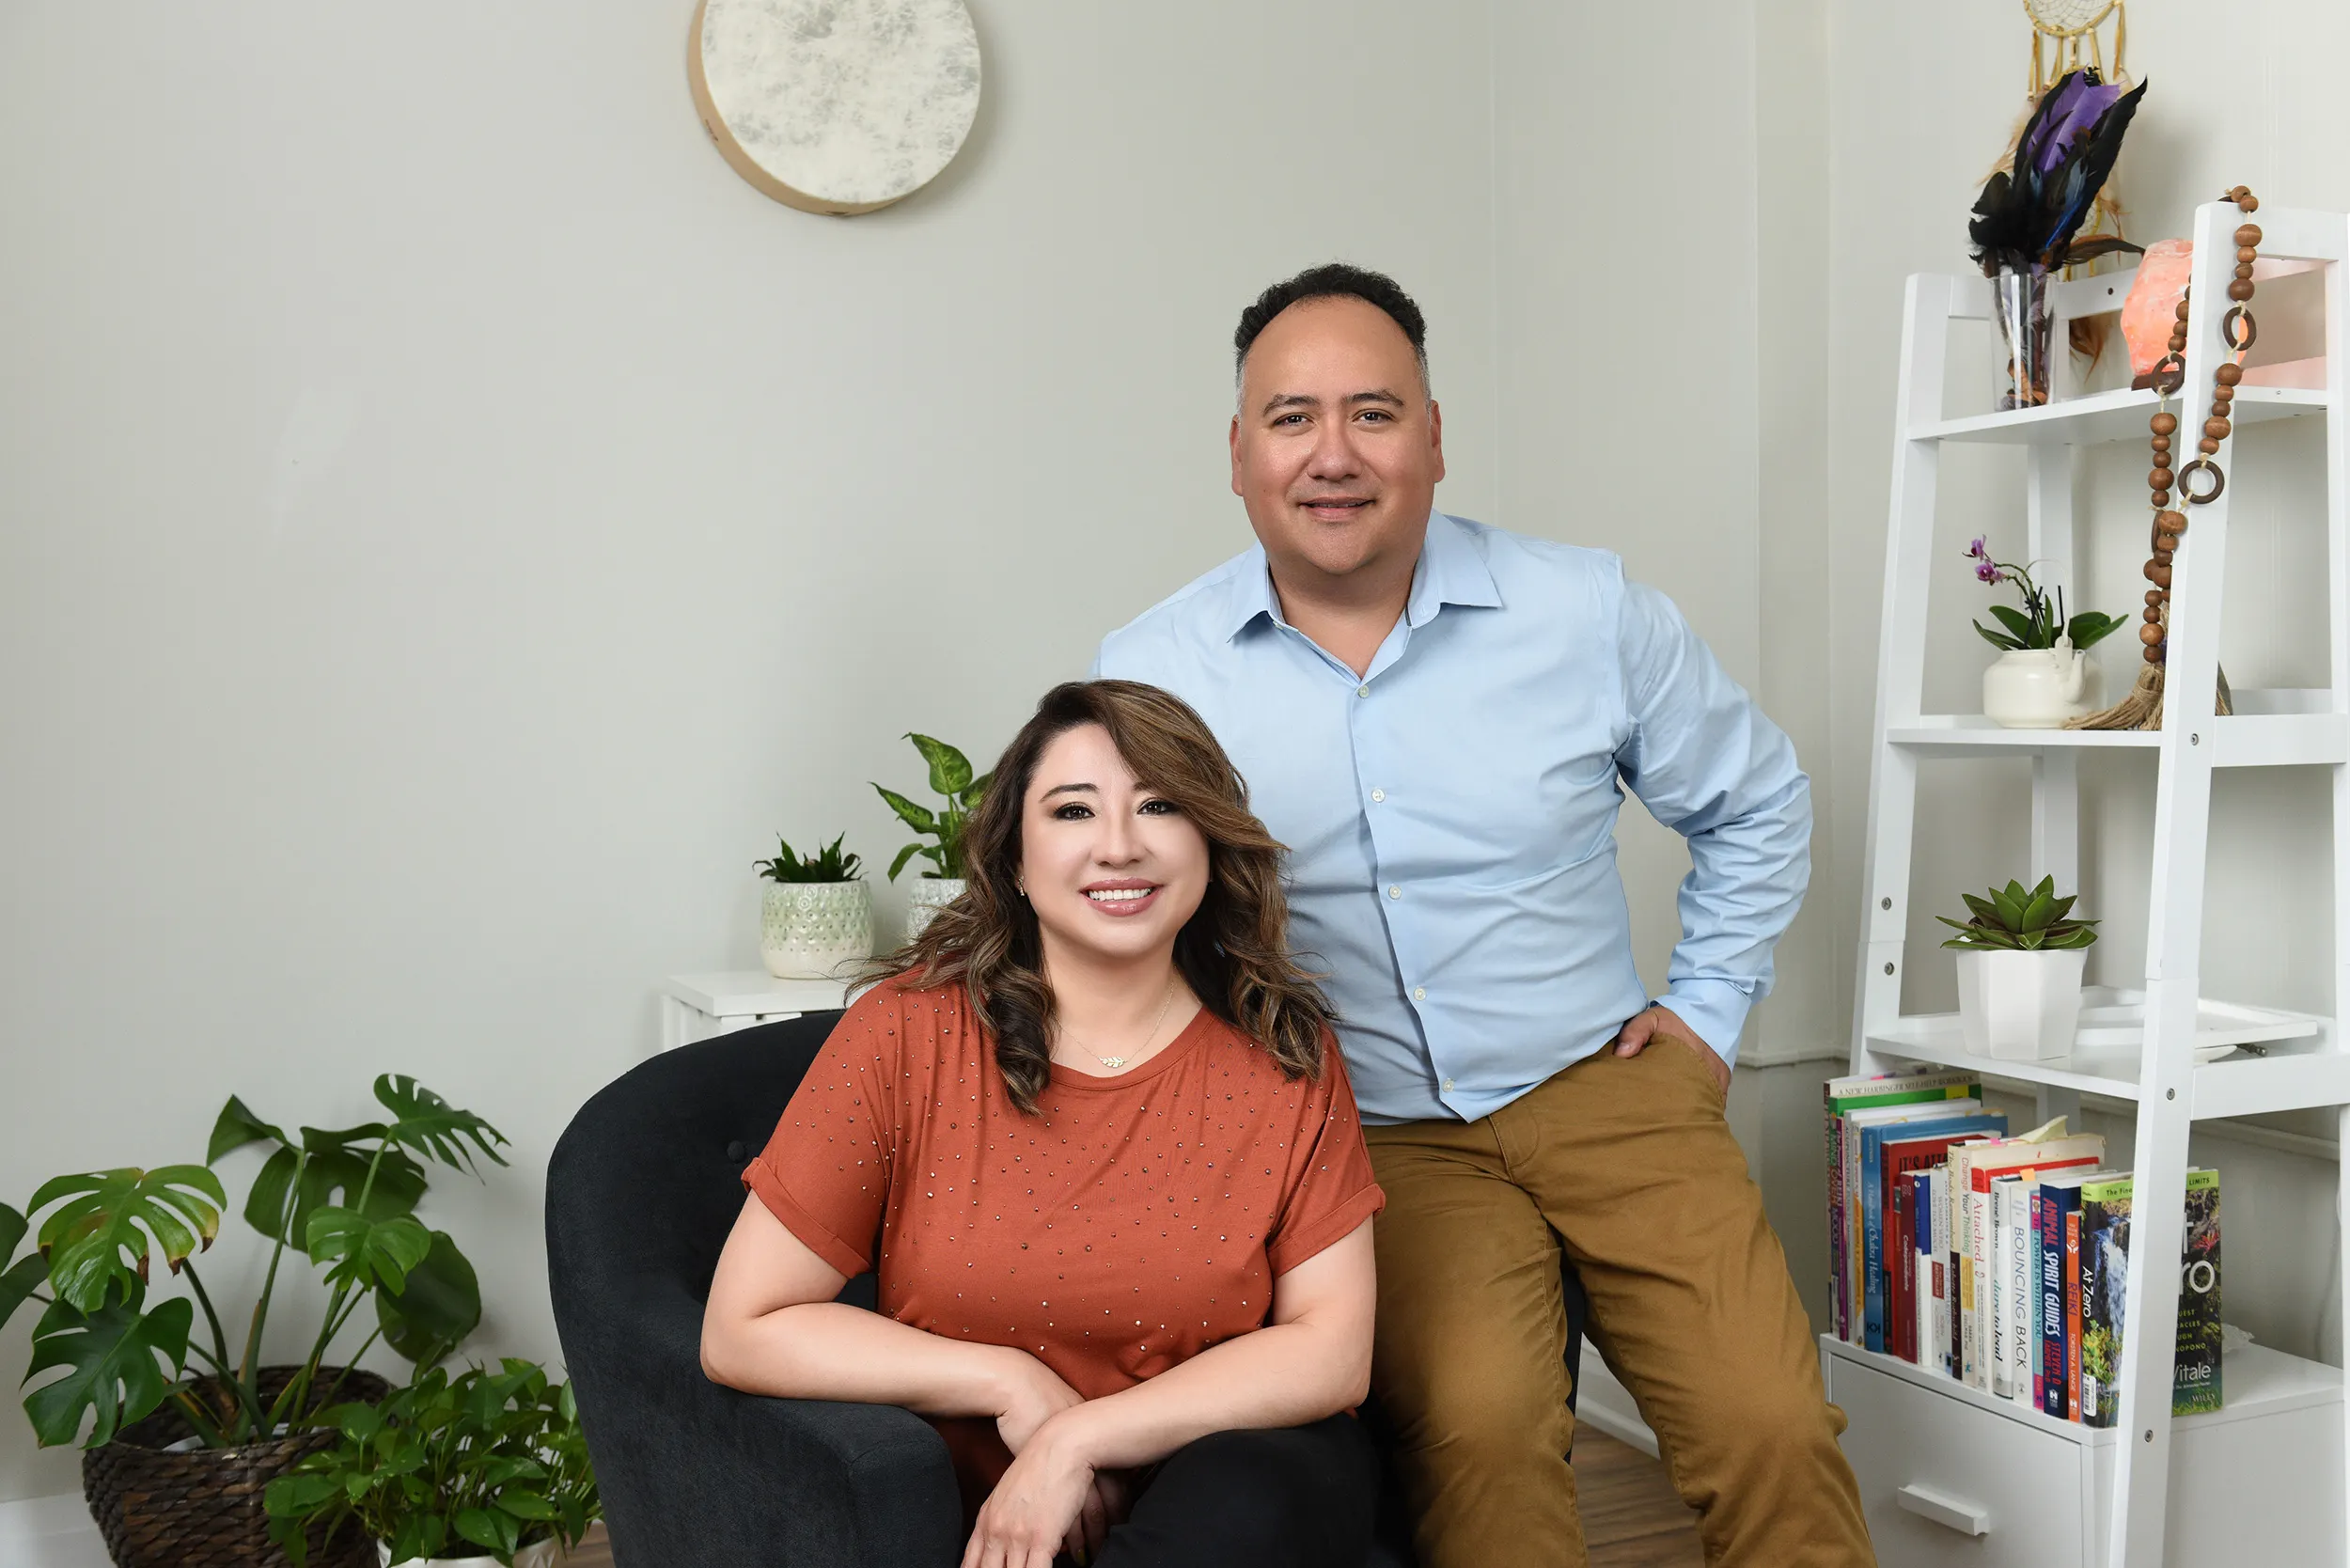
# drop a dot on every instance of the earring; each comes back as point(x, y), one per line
point(1020, 886)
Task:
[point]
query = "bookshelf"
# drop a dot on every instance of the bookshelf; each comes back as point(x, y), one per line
point(1946, 1468)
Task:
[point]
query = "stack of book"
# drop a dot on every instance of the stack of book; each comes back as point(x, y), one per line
point(1998, 1261)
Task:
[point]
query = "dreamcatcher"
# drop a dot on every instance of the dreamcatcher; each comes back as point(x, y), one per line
point(2069, 36)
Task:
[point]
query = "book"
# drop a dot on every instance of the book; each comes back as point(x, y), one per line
point(2056, 1377)
point(1936, 1279)
point(2007, 1325)
point(1891, 1151)
point(2195, 1382)
point(2105, 1226)
point(1839, 1096)
point(2072, 1311)
point(2023, 1290)
point(1861, 1211)
point(1900, 1245)
point(2043, 1149)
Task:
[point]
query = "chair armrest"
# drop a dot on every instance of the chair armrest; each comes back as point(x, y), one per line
point(695, 1474)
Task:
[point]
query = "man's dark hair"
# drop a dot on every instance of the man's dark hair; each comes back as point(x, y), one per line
point(1335, 281)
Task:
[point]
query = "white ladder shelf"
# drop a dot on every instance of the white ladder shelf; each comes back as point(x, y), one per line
point(2305, 1063)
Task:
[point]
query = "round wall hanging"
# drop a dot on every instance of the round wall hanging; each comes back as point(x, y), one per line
point(835, 105)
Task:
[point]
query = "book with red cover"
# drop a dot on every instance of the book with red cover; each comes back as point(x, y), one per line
point(1901, 1158)
point(1901, 1284)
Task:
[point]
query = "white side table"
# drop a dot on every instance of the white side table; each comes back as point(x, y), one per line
point(696, 1006)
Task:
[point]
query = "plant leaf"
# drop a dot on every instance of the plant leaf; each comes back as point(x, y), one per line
point(975, 791)
point(334, 1173)
point(438, 1305)
point(13, 1229)
point(487, 1527)
point(904, 855)
point(523, 1504)
point(434, 1128)
point(237, 1127)
point(1996, 639)
point(25, 1276)
point(2018, 624)
point(2092, 627)
point(2009, 907)
point(2040, 912)
point(916, 817)
point(119, 1364)
point(100, 1232)
point(1984, 910)
point(950, 770)
point(366, 1253)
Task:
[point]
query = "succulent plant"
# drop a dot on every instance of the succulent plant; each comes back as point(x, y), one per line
point(826, 865)
point(2018, 919)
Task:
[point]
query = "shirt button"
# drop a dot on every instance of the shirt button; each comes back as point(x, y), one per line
point(1362, 690)
point(1420, 992)
point(1447, 1085)
point(1378, 795)
point(1394, 892)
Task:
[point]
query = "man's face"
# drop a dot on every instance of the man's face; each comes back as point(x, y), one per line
point(1337, 448)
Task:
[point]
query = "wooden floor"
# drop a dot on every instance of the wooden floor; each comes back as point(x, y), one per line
point(1631, 1519)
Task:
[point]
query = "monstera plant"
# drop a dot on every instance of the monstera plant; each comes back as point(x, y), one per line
point(345, 1200)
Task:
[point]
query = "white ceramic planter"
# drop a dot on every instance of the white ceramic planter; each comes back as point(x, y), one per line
point(2025, 1007)
point(543, 1554)
point(930, 894)
point(2039, 688)
point(815, 929)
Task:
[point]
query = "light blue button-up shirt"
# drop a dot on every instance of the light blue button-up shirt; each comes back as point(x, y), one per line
point(1451, 815)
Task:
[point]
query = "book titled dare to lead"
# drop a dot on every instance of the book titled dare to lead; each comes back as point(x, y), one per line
point(2104, 1231)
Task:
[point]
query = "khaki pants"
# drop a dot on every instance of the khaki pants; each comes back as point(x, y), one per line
point(1628, 1163)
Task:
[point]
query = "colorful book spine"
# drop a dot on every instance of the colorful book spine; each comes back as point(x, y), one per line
point(2002, 1286)
point(1921, 1267)
point(1945, 1301)
point(2105, 1274)
point(1897, 1247)
point(2054, 1381)
point(2023, 1291)
point(2073, 1311)
point(1889, 1152)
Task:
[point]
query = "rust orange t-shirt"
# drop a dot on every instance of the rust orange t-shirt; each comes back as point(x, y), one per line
point(1136, 1221)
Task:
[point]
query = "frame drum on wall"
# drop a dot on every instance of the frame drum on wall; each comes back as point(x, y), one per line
point(835, 106)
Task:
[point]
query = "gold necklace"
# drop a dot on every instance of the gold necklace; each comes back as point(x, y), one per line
point(1113, 1063)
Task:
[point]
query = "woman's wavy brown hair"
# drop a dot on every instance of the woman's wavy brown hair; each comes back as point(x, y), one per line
point(1234, 952)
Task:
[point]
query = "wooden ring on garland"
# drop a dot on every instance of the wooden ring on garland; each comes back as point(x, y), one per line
point(2187, 485)
point(2237, 313)
point(2169, 374)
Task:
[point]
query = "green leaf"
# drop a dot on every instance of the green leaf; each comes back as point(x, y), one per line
point(2011, 901)
point(1984, 910)
point(237, 1127)
point(2092, 627)
point(2078, 937)
point(1996, 639)
point(440, 1303)
point(2065, 906)
point(101, 1232)
point(916, 817)
point(13, 1229)
point(975, 791)
point(119, 1364)
point(2040, 912)
point(2029, 941)
point(950, 770)
point(2019, 626)
point(297, 1495)
point(25, 1276)
point(433, 1127)
point(526, 1505)
point(487, 1527)
point(904, 855)
point(334, 1173)
point(366, 1253)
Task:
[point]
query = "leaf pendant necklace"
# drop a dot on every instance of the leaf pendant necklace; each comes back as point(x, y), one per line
point(1113, 1063)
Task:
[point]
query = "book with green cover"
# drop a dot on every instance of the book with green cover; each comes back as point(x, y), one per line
point(2195, 1375)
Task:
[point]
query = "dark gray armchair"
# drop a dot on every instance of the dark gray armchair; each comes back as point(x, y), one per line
point(641, 1192)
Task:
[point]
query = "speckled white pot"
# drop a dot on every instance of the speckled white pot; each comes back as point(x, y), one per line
point(930, 894)
point(538, 1555)
point(815, 929)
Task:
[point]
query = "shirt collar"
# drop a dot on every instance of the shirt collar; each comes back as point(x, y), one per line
point(1451, 571)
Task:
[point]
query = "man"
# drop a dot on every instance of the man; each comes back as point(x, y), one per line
point(1437, 717)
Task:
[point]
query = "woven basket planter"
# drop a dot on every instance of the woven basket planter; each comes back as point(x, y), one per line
point(202, 1508)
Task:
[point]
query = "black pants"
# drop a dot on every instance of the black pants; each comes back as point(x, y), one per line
point(1297, 1497)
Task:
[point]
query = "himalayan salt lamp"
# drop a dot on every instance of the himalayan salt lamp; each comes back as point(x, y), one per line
point(2151, 309)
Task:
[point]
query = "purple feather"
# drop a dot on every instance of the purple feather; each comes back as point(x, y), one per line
point(2071, 109)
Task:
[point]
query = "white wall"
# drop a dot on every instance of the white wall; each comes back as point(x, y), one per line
point(1920, 99)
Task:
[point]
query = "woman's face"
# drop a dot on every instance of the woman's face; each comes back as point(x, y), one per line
point(1112, 869)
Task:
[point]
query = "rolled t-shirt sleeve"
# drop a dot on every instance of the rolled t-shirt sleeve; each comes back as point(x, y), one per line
point(826, 1172)
point(1331, 1189)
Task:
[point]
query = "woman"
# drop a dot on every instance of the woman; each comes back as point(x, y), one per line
point(1104, 1136)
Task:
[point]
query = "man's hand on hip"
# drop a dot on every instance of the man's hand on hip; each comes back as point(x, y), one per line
point(1635, 1036)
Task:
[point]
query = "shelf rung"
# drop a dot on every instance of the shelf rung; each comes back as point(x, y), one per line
point(2241, 741)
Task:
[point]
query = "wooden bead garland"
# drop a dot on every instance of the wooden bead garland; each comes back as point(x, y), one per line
point(2166, 479)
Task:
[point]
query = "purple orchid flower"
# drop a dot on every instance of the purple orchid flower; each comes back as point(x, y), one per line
point(1985, 571)
point(2074, 106)
point(1979, 550)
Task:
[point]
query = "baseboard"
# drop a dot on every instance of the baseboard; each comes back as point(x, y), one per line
point(1601, 1402)
point(51, 1532)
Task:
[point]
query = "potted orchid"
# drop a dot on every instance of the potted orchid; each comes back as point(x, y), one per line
point(2043, 674)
